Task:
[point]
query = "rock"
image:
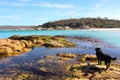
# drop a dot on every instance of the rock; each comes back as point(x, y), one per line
point(87, 57)
point(14, 47)
point(40, 42)
point(10, 46)
point(69, 44)
point(67, 68)
point(26, 49)
point(68, 55)
point(18, 44)
point(25, 43)
point(90, 57)
point(53, 44)
point(30, 44)
point(16, 37)
point(4, 41)
point(63, 58)
point(49, 56)
point(5, 50)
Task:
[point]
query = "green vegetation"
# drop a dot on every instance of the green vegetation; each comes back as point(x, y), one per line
point(82, 23)
point(24, 76)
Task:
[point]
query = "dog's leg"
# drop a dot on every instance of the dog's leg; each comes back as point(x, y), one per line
point(107, 65)
point(99, 62)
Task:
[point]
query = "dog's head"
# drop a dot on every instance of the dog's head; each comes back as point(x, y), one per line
point(98, 49)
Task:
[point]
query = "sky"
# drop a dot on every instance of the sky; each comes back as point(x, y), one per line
point(37, 12)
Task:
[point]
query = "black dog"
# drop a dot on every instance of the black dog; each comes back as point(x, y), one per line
point(103, 57)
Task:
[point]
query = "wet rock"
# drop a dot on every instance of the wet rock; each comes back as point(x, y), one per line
point(49, 56)
point(16, 37)
point(53, 44)
point(69, 44)
point(63, 58)
point(68, 55)
point(87, 57)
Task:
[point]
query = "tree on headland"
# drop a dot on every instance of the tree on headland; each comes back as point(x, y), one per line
point(83, 23)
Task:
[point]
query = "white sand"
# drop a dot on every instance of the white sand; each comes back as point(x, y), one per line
point(104, 29)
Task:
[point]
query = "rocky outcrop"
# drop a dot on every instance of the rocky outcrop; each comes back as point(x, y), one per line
point(20, 44)
point(87, 57)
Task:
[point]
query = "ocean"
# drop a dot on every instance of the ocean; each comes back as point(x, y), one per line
point(109, 36)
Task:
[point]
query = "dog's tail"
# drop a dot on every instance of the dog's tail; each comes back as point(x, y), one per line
point(114, 58)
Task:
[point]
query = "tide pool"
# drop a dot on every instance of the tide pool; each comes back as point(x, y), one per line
point(110, 36)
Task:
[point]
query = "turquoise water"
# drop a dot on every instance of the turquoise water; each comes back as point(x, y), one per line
point(110, 36)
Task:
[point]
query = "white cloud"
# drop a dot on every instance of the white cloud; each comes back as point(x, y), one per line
point(41, 4)
point(55, 5)
point(12, 3)
point(97, 6)
point(25, 0)
point(8, 17)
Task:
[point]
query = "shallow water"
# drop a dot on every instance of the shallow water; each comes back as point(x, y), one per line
point(38, 53)
point(109, 43)
point(28, 62)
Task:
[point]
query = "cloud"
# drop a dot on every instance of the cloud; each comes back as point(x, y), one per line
point(25, 0)
point(55, 5)
point(12, 3)
point(97, 6)
point(8, 17)
point(40, 4)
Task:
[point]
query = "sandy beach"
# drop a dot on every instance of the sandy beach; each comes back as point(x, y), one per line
point(104, 29)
